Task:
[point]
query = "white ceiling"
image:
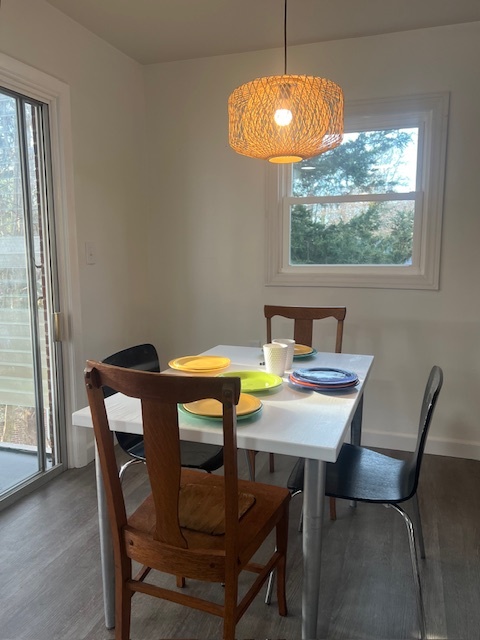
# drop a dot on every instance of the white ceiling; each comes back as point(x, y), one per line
point(152, 31)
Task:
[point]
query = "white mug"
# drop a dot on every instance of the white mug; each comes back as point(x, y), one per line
point(275, 357)
point(290, 350)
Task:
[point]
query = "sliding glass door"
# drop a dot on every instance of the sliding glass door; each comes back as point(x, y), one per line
point(31, 410)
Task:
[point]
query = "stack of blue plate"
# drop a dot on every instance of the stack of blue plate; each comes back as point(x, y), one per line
point(323, 378)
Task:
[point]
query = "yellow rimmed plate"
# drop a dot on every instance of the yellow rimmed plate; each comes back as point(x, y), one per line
point(199, 364)
point(210, 408)
point(303, 351)
point(254, 381)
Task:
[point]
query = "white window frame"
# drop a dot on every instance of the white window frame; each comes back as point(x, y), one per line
point(430, 114)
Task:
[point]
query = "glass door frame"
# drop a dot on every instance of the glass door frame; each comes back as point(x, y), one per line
point(33, 83)
point(77, 445)
point(40, 166)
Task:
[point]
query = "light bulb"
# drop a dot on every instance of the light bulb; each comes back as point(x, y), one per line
point(283, 117)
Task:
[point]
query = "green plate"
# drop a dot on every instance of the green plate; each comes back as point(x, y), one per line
point(254, 380)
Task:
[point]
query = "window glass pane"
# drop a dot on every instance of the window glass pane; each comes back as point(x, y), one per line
point(357, 233)
point(366, 162)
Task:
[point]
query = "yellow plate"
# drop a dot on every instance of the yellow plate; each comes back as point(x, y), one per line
point(213, 408)
point(302, 350)
point(199, 364)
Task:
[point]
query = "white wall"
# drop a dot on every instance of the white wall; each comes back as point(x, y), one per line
point(107, 117)
point(207, 236)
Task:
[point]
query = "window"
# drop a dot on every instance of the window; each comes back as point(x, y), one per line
point(368, 213)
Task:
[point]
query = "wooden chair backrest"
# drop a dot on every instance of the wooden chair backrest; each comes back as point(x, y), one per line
point(303, 318)
point(160, 395)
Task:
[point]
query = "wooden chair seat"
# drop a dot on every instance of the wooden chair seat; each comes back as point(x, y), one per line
point(253, 526)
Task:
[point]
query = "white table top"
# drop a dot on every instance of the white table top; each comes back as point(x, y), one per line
point(307, 424)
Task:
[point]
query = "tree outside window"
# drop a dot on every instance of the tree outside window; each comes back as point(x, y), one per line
point(356, 231)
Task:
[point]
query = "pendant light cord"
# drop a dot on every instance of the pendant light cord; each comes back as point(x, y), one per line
point(285, 38)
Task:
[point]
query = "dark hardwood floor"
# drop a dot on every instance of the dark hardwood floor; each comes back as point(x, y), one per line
point(50, 586)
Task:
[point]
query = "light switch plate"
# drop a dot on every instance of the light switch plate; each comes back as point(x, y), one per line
point(90, 253)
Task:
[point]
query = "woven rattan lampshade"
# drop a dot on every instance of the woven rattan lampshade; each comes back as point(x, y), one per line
point(285, 118)
point(316, 107)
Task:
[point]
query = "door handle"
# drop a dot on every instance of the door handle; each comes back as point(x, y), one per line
point(57, 326)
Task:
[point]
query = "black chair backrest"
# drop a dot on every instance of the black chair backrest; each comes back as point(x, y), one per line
point(143, 357)
point(430, 397)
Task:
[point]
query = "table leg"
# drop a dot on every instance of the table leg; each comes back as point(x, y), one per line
point(356, 432)
point(356, 426)
point(106, 549)
point(313, 504)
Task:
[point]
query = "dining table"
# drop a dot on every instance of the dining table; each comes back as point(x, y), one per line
point(293, 420)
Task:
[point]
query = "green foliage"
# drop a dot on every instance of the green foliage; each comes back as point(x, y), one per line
point(11, 210)
point(364, 239)
point(354, 232)
point(368, 163)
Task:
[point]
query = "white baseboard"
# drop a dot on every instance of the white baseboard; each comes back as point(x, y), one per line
point(436, 446)
point(91, 451)
point(81, 447)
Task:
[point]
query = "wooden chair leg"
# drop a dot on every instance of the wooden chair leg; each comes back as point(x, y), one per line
point(230, 613)
point(251, 457)
point(123, 602)
point(228, 627)
point(333, 509)
point(180, 582)
point(271, 462)
point(282, 544)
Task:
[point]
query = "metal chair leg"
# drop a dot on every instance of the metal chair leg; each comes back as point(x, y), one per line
point(270, 583)
point(418, 526)
point(415, 567)
point(125, 466)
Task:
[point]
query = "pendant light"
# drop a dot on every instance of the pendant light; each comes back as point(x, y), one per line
point(285, 118)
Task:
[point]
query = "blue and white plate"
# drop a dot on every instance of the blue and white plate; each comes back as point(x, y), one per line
point(323, 378)
point(308, 387)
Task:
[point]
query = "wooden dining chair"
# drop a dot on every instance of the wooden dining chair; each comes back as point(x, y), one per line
point(194, 455)
point(303, 319)
point(200, 526)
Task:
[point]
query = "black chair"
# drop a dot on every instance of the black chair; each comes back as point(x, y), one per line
point(194, 455)
point(363, 475)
